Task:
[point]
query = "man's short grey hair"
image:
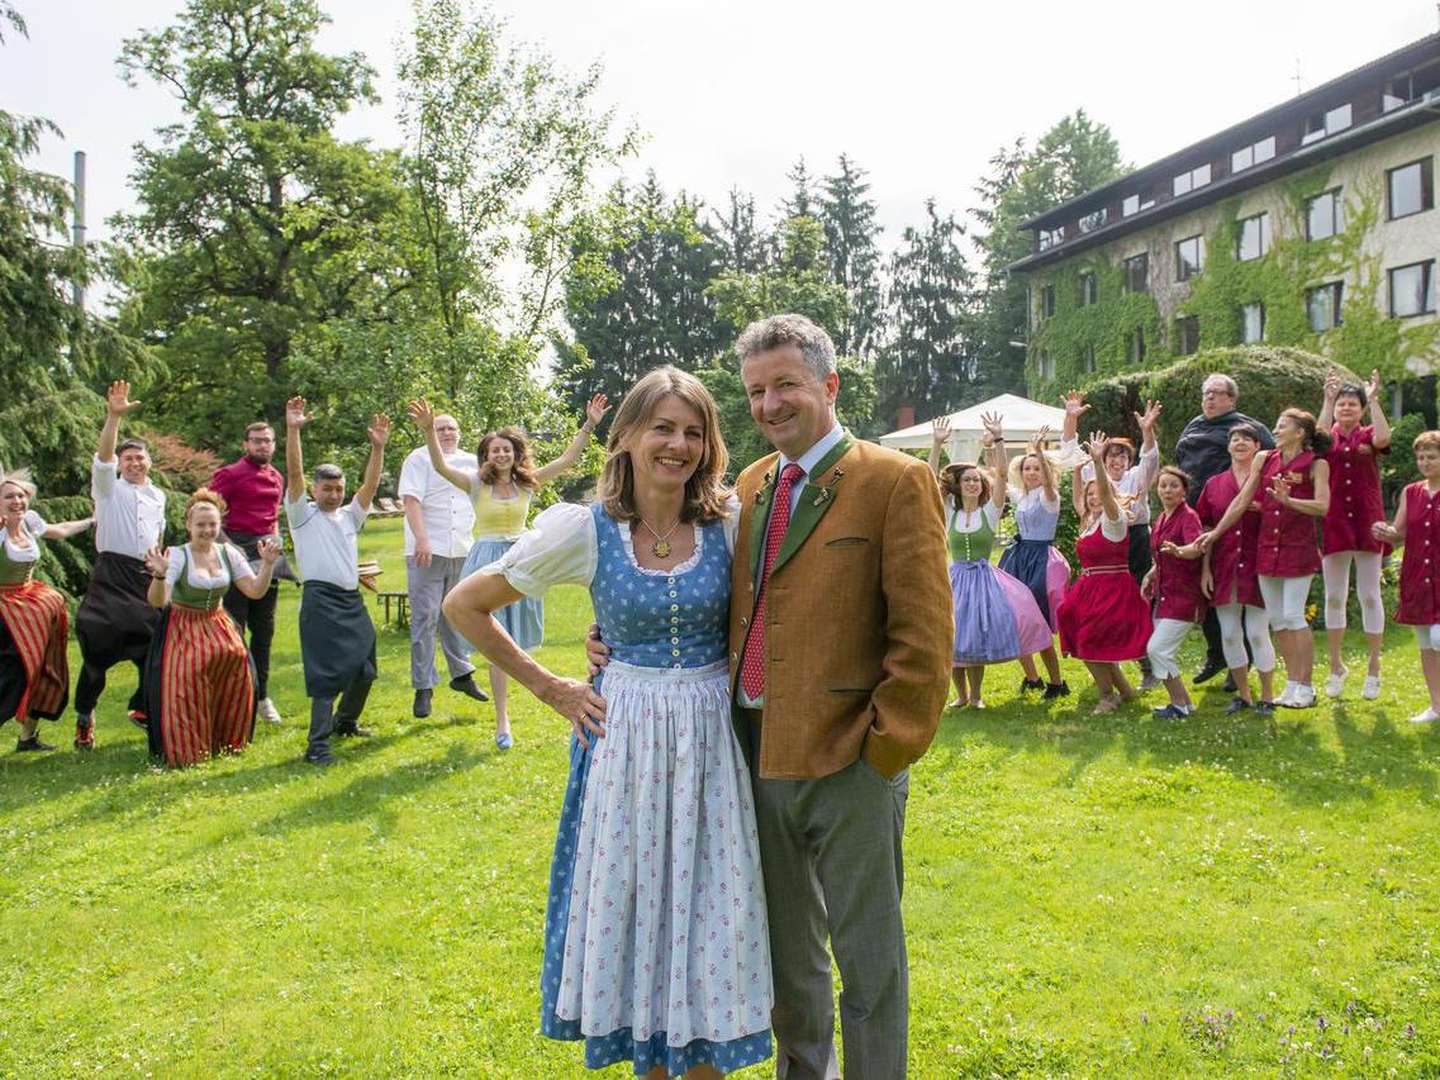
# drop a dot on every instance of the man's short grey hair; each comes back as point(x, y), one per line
point(1231, 387)
point(329, 472)
point(777, 331)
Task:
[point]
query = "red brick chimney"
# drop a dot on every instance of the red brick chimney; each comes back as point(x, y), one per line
point(904, 416)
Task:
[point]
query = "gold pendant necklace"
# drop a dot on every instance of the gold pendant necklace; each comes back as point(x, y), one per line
point(661, 547)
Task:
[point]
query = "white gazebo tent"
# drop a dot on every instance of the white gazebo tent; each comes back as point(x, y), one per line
point(1022, 419)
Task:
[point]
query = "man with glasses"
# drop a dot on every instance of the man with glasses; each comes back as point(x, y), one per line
point(1204, 451)
point(252, 489)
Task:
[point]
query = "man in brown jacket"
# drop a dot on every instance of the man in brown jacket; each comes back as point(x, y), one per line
point(841, 632)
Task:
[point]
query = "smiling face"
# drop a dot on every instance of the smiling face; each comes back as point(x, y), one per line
point(1170, 490)
point(447, 432)
point(972, 486)
point(792, 407)
point(1427, 460)
point(1288, 433)
point(203, 523)
point(1242, 449)
point(134, 465)
point(14, 501)
point(1117, 460)
point(1092, 497)
point(1031, 474)
point(666, 450)
point(499, 452)
point(1348, 410)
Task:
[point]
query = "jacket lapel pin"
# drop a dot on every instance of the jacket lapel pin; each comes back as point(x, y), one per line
point(826, 492)
point(764, 489)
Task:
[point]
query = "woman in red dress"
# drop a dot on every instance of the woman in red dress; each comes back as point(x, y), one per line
point(1103, 619)
point(1417, 526)
point(1346, 534)
point(1174, 585)
point(1293, 482)
point(1230, 579)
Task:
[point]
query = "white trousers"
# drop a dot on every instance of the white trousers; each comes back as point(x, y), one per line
point(1256, 627)
point(1164, 646)
point(1336, 569)
point(1285, 600)
point(1428, 637)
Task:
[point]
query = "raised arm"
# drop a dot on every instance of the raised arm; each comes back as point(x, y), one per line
point(1239, 503)
point(1075, 408)
point(63, 530)
point(470, 607)
point(1047, 472)
point(994, 443)
point(1326, 419)
point(295, 419)
point(1109, 505)
point(1374, 393)
point(157, 561)
point(1077, 491)
point(424, 417)
point(939, 436)
point(594, 413)
point(379, 432)
point(117, 404)
point(1147, 469)
point(257, 585)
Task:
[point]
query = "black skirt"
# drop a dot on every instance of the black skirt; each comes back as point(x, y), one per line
point(337, 639)
point(115, 620)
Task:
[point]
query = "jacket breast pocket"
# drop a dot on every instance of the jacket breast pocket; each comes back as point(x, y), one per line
point(847, 541)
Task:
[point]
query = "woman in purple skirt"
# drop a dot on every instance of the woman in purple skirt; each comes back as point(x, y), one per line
point(996, 617)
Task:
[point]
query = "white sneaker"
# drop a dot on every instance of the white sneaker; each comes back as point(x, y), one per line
point(1335, 683)
point(1287, 696)
point(1427, 716)
point(1304, 697)
point(267, 711)
point(1371, 690)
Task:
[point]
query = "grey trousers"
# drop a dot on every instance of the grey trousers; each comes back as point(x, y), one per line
point(427, 586)
point(831, 853)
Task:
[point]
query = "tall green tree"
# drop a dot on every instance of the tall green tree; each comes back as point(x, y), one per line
point(796, 280)
point(744, 241)
point(928, 360)
point(1073, 156)
point(847, 212)
point(255, 224)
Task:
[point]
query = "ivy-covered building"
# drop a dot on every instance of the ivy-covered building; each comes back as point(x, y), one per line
point(1311, 224)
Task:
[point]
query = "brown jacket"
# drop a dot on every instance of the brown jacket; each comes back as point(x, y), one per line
point(858, 622)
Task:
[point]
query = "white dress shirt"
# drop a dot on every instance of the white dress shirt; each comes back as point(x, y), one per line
point(129, 518)
point(327, 545)
point(447, 511)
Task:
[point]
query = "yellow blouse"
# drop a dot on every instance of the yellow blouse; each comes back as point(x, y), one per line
point(499, 519)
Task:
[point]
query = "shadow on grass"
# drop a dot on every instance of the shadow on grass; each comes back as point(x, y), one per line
point(1290, 751)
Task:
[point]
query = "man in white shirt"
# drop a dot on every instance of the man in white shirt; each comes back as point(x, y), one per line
point(439, 519)
point(115, 619)
point(337, 636)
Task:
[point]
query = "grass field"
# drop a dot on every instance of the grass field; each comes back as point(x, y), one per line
point(1084, 896)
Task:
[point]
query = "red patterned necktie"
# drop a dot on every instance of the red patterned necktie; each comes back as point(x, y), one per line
point(752, 668)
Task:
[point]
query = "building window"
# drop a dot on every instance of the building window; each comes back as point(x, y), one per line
point(1047, 301)
point(1253, 241)
point(1137, 345)
point(1411, 188)
point(1049, 238)
point(1318, 125)
point(1086, 294)
point(1405, 88)
point(1087, 360)
point(1323, 306)
point(1043, 367)
point(1137, 274)
point(1189, 257)
point(1324, 215)
point(1254, 154)
point(1195, 178)
point(1412, 290)
point(1133, 204)
point(1187, 335)
point(1091, 222)
point(1252, 323)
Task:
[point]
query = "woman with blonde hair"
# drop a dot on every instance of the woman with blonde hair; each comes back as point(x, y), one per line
point(34, 622)
point(501, 489)
point(200, 685)
point(656, 942)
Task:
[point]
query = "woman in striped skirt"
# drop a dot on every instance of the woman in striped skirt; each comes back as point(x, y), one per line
point(199, 682)
point(34, 672)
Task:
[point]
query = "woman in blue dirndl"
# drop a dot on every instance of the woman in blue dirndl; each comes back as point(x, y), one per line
point(656, 941)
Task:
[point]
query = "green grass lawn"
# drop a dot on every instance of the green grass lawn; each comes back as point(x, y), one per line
point(1085, 896)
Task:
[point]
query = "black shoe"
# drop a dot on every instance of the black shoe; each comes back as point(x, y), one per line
point(1057, 689)
point(1209, 671)
point(466, 685)
point(1229, 686)
point(349, 729)
point(85, 731)
point(1239, 705)
point(322, 757)
point(1031, 684)
point(32, 744)
point(421, 708)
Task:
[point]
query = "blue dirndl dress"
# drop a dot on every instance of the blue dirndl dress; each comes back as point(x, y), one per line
point(1032, 557)
point(523, 620)
point(656, 941)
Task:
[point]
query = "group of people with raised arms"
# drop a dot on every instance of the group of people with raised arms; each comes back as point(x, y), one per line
point(1235, 542)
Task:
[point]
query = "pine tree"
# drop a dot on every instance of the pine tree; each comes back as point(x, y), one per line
point(743, 240)
point(848, 216)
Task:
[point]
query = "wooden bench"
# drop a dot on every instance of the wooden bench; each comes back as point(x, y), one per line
point(402, 606)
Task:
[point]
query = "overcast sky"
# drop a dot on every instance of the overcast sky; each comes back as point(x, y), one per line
point(732, 93)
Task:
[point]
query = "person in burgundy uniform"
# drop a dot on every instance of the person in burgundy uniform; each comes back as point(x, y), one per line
point(252, 489)
point(1417, 526)
point(1173, 584)
point(1293, 481)
point(1103, 619)
point(1230, 579)
point(1346, 534)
